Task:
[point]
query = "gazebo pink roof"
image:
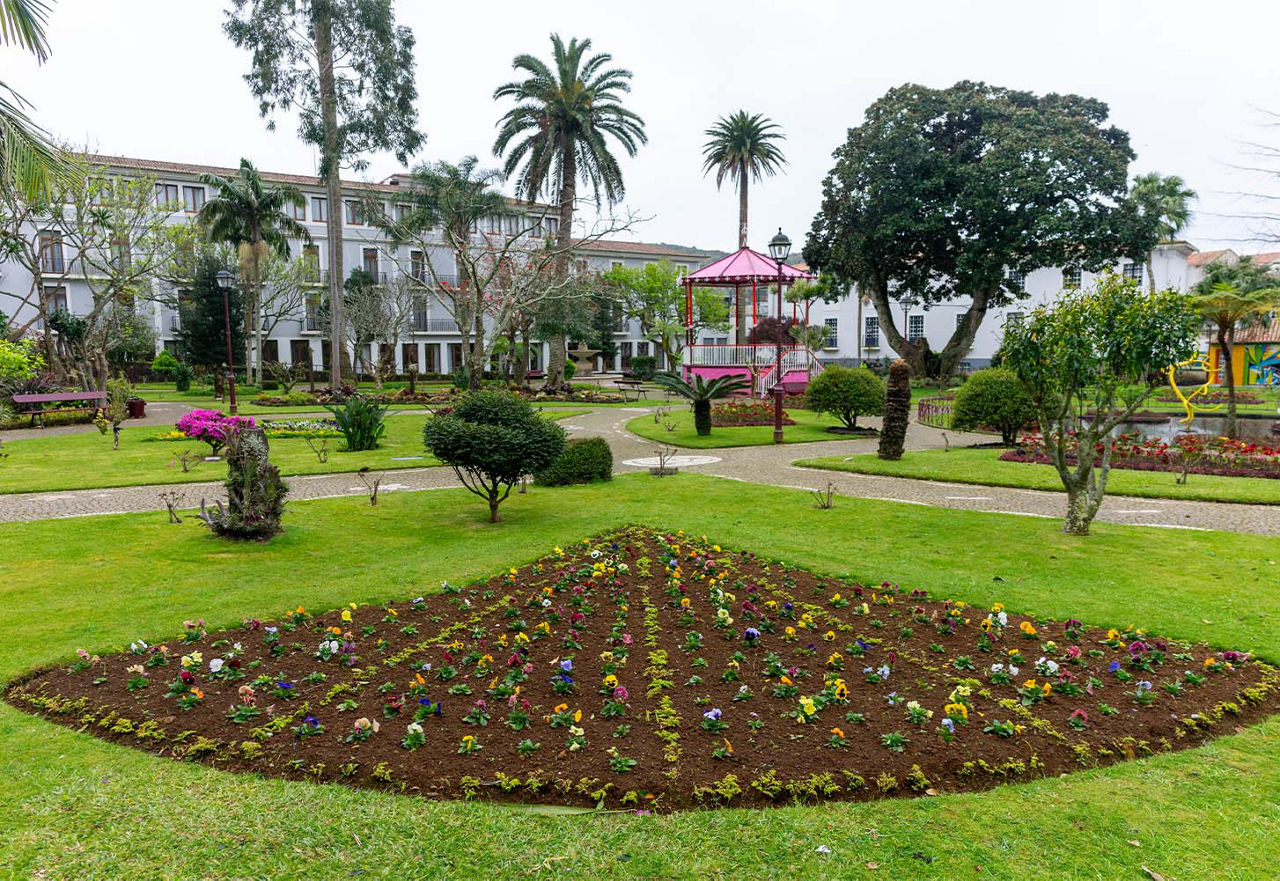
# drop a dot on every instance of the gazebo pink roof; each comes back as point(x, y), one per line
point(744, 266)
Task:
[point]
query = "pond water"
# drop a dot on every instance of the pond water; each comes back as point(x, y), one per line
point(1248, 428)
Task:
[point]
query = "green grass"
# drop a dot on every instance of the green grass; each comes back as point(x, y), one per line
point(85, 460)
point(984, 467)
point(74, 806)
point(809, 427)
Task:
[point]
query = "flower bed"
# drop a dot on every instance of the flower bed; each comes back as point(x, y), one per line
point(1243, 396)
point(747, 411)
point(1193, 453)
point(657, 672)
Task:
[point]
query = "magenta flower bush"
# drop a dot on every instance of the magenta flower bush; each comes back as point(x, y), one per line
point(212, 426)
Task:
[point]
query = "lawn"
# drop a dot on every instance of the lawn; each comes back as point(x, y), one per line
point(962, 465)
point(809, 427)
point(85, 460)
point(73, 806)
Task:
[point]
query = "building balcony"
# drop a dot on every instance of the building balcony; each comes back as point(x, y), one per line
point(428, 324)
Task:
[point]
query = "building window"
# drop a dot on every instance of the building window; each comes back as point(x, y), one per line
point(313, 315)
point(616, 264)
point(1018, 279)
point(960, 318)
point(681, 270)
point(167, 196)
point(1071, 278)
point(402, 212)
point(871, 332)
point(355, 212)
point(409, 357)
point(1014, 319)
point(300, 210)
point(369, 259)
point(311, 263)
point(192, 199)
point(642, 349)
point(418, 267)
point(1133, 271)
point(433, 358)
point(55, 300)
point(319, 209)
point(833, 333)
point(51, 259)
point(915, 328)
point(300, 353)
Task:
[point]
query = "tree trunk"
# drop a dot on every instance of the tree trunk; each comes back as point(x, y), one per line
point(564, 239)
point(702, 418)
point(475, 361)
point(330, 169)
point(1151, 272)
point(1079, 515)
point(739, 294)
point(1226, 345)
point(494, 501)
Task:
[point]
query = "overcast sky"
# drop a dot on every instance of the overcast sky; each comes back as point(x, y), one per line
point(1189, 81)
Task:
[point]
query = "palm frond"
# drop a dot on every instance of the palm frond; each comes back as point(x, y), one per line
point(22, 23)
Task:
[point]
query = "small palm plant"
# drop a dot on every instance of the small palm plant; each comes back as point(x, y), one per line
point(701, 393)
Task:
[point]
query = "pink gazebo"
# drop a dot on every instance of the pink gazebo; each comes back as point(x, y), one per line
point(756, 361)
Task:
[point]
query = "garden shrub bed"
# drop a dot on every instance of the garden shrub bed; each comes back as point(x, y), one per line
point(657, 672)
point(745, 411)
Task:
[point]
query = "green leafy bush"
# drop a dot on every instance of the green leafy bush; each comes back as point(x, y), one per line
point(183, 373)
point(846, 393)
point(492, 440)
point(361, 421)
point(993, 398)
point(583, 460)
point(644, 366)
point(164, 364)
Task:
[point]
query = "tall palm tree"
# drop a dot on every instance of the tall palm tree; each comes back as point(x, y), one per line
point(741, 147)
point(29, 162)
point(560, 131)
point(253, 216)
point(1168, 200)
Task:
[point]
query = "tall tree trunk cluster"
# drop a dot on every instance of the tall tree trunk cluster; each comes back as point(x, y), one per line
point(330, 170)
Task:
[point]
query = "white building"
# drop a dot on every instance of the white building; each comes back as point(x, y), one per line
point(854, 327)
point(431, 343)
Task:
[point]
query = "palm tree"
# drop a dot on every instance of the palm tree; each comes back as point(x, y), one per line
point(701, 394)
point(560, 131)
point(29, 162)
point(1227, 298)
point(740, 148)
point(253, 216)
point(1168, 201)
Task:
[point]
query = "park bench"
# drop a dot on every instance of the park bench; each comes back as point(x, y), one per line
point(34, 405)
point(631, 385)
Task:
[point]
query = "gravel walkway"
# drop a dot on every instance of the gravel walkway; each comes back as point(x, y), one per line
point(767, 465)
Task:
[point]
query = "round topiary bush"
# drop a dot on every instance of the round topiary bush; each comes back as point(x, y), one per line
point(164, 364)
point(993, 399)
point(584, 460)
point(846, 393)
point(491, 440)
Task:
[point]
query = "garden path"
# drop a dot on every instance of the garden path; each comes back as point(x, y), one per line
point(766, 464)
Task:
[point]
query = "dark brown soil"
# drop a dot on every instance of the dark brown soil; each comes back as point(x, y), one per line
point(856, 432)
point(613, 606)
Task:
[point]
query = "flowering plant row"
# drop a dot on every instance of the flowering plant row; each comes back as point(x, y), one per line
point(1196, 453)
point(212, 426)
point(657, 671)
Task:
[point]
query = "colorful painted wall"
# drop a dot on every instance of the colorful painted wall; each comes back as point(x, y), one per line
point(1253, 363)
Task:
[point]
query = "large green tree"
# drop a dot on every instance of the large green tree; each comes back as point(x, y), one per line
point(940, 193)
point(1089, 362)
point(1231, 296)
point(1167, 202)
point(559, 132)
point(202, 325)
point(652, 294)
point(740, 147)
point(347, 70)
point(254, 216)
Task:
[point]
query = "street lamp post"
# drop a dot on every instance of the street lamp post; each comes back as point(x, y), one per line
point(224, 284)
point(779, 249)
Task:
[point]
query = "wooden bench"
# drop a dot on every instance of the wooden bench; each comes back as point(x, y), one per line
point(631, 385)
point(33, 405)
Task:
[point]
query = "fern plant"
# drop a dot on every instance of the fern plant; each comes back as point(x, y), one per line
point(361, 419)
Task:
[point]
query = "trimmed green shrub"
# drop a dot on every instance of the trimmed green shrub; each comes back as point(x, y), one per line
point(644, 366)
point(164, 364)
point(569, 369)
point(897, 411)
point(491, 440)
point(993, 398)
point(584, 460)
point(846, 393)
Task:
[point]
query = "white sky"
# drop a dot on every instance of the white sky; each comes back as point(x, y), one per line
point(158, 79)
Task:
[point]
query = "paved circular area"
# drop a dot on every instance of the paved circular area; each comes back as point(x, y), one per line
point(673, 461)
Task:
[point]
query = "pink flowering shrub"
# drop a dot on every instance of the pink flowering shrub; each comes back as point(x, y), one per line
point(212, 426)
